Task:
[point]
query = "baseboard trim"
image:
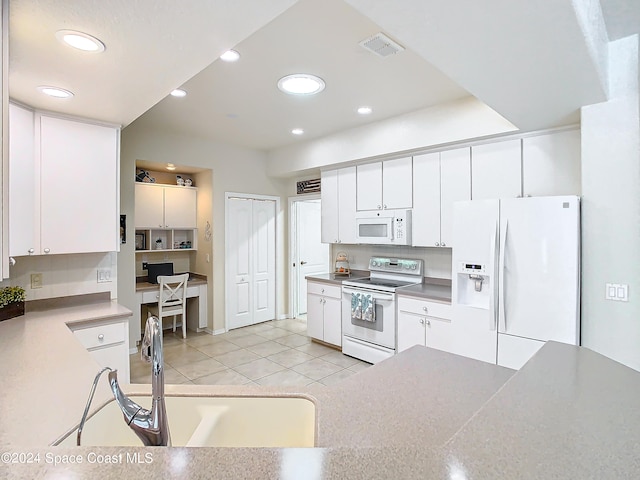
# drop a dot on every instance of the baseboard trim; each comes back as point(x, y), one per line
point(220, 331)
point(133, 350)
point(283, 316)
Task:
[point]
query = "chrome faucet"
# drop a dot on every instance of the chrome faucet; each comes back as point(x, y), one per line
point(151, 426)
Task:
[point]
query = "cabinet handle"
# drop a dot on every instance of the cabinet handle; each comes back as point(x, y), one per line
point(47, 250)
point(101, 337)
point(160, 225)
point(422, 321)
point(443, 244)
point(437, 244)
point(322, 291)
point(428, 322)
point(425, 309)
point(379, 207)
point(31, 250)
point(384, 206)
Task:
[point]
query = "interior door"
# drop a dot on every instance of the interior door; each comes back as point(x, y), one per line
point(312, 255)
point(239, 235)
point(263, 266)
point(251, 261)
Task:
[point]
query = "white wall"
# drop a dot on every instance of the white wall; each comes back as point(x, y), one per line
point(611, 210)
point(64, 275)
point(233, 169)
point(450, 122)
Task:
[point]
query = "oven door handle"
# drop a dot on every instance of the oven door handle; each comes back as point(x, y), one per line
point(378, 296)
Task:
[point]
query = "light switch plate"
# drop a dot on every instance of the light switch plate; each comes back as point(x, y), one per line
point(104, 275)
point(618, 292)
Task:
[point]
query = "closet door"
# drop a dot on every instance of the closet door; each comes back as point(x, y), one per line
point(264, 260)
point(239, 225)
point(251, 252)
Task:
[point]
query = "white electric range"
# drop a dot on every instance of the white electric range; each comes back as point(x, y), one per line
point(369, 307)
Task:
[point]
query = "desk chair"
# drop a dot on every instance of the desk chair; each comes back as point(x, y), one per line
point(172, 299)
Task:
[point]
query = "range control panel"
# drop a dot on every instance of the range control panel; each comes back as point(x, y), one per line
point(396, 265)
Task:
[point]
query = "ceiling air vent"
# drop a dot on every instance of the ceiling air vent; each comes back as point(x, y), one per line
point(381, 45)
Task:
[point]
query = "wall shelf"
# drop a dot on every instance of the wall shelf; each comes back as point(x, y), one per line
point(171, 240)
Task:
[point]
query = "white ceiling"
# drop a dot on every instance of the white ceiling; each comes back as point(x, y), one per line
point(154, 46)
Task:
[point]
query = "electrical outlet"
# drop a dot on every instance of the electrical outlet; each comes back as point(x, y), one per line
point(36, 280)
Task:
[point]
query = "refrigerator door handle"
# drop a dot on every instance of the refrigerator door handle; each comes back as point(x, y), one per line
point(502, 315)
point(493, 307)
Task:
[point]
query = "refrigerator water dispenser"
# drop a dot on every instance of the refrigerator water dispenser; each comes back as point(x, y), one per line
point(474, 285)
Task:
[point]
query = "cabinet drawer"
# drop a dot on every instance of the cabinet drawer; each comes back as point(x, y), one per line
point(417, 306)
point(325, 289)
point(100, 335)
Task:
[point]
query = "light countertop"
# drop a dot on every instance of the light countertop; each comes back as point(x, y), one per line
point(569, 413)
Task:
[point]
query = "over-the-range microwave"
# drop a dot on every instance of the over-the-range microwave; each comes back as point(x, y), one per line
point(384, 227)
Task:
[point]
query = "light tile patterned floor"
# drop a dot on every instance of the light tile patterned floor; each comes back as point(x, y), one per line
point(270, 353)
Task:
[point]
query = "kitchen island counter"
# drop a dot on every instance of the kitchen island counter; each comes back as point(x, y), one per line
point(569, 413)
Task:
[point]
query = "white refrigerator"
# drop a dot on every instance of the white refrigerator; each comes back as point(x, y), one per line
point(516, 277)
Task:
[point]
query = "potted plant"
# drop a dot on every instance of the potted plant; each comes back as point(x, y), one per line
point(11, 302)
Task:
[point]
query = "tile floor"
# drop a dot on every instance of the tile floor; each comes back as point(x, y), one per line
point(277, 352)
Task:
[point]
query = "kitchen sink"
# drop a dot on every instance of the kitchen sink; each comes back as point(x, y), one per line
point(212, 422)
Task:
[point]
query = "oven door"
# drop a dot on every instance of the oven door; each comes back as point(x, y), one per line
point(381, 331)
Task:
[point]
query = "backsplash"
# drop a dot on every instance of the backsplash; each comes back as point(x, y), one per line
point(437, 261)
point(64, 275)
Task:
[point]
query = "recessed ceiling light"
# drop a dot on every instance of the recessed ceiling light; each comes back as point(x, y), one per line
point(301, 84)
point(178, 92)
point(365, 110)
point(55, 92)
point(230, 56)
point(171, 166)
point(297, 131)
point(81, 41)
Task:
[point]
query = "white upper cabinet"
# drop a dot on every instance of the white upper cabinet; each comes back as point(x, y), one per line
point(385, 185)
point(397, 184)
point(64, 188)
point(551, 164)
point(165, 206)
point(455, 185)
point(496, 169)
point(426, 196)
point(22, 182)
point(329, 207)
point(338, 205)
point(439, 179)
point(78, 186)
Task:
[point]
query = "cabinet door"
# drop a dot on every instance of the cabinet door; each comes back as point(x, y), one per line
point(180, 204)
point(411, 330)
point(438, 333)
point(78, 186)
point(397, 183)
point(22, 183)
point(426, 193)
point(149, 206)
point(369, 186)
point(315, 316)
point(332, 321)
point(329, 210)
point(114, 356)
point(455, 185)
point(551, 164)
point(496, 170)
point(347, 205)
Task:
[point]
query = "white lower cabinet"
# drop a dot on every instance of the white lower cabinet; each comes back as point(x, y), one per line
point(324, 310)
point(108, 343)
point(421, 322)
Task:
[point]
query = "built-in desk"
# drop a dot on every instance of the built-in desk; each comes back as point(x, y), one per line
point(147, 293)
